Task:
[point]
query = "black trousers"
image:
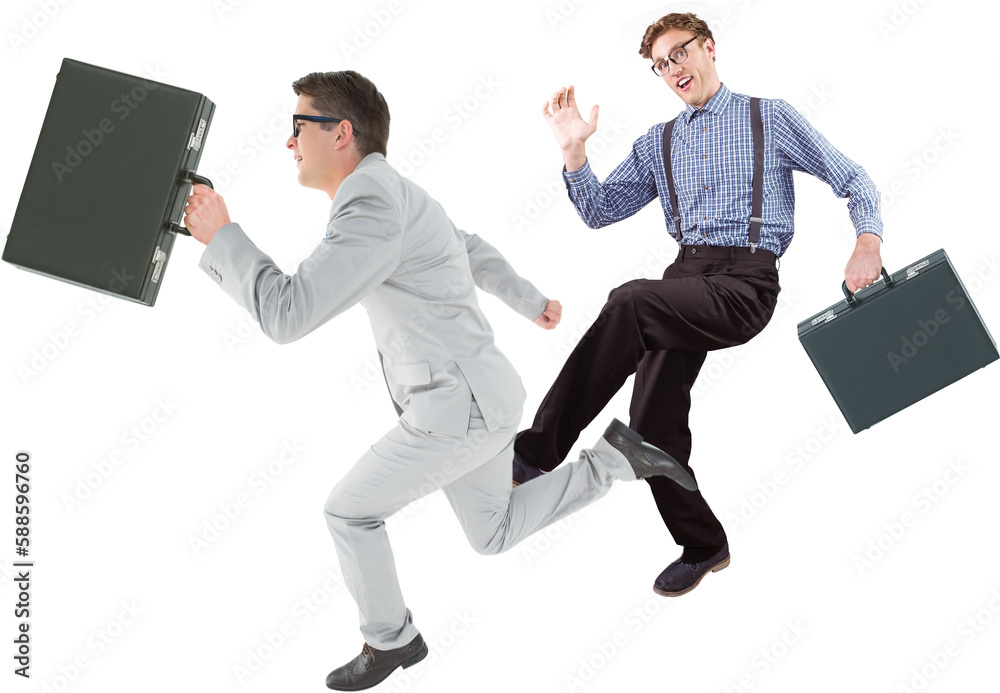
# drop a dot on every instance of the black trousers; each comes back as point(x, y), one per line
point(661, 330)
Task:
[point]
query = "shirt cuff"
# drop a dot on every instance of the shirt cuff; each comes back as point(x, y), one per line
point(872, 226)
point(581, 177)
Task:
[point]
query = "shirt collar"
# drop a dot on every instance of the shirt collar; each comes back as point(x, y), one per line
point(369, 159)
point(716, 105)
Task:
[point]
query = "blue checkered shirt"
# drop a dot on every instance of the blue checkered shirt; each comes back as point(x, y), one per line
point(712, 159)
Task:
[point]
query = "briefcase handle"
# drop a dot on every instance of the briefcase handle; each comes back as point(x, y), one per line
point(852, 301)
point(194, 178)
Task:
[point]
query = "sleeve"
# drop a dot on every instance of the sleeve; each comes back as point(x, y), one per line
point(362, 248)
point(494, 275)
point(629, 188)
point(810, 152)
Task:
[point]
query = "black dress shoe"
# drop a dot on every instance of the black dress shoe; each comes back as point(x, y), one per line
point(524, 472)
point(646, 460)
point(372, 666)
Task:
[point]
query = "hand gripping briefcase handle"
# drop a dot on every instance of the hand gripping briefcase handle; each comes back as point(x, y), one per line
point(852, 301)
point(194, 178)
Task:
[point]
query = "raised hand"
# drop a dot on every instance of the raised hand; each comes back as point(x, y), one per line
point(569, 128)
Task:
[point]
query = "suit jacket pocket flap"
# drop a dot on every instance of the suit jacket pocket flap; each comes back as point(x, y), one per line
point(418, 373)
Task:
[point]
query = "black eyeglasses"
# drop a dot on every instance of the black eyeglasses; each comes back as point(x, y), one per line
point(677, 56)
point(314, 119)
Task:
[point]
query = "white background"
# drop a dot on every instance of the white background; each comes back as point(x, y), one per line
point(572, 608)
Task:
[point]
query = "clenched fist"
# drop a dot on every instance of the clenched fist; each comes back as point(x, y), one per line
point(205, 213)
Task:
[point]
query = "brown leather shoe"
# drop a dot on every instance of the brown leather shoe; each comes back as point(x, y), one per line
point(372, 666)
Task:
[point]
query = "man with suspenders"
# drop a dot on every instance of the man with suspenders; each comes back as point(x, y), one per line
point(723, 173)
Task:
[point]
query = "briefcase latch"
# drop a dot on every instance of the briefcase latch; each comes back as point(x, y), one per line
point(915, 270)
point(159, 257)
point(195, 141)
point(824, 318)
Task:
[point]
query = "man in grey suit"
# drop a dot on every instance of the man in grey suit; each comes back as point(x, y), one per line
point(390, 247)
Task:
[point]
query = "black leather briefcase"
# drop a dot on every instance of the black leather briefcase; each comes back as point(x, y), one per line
point(108, 181)
point(893, 344)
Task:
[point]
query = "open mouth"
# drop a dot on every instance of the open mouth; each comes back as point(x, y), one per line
point(684, 83)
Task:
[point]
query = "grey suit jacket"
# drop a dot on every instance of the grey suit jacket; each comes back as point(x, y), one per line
point(392, 248)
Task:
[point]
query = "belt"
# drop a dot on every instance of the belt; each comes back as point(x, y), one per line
point(720, 252)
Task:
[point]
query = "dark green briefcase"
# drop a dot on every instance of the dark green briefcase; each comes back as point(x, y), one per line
point(893, 344)
point(108, 181)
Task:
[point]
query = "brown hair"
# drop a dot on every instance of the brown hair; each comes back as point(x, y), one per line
point(685, 21)
point(354, 98)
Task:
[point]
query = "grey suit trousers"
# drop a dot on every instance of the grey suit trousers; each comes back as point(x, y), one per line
point(474, 471)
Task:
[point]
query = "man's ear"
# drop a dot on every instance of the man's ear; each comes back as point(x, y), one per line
point(345, 134)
